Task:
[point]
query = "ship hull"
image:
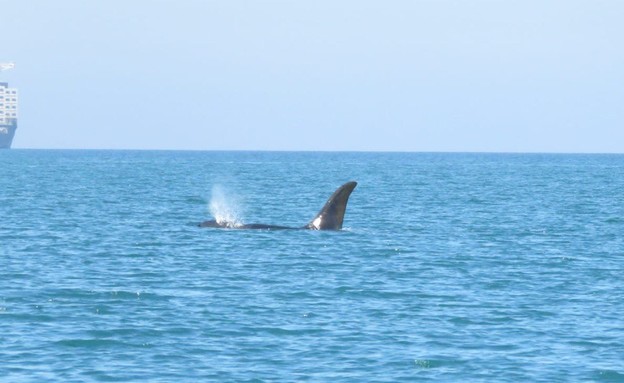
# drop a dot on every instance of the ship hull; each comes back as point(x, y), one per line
point(7, 132)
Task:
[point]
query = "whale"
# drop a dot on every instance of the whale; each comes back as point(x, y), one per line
point(330, 217)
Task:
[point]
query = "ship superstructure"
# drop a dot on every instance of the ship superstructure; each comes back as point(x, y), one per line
point(8, 111)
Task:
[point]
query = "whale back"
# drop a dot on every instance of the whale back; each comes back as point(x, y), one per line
point(330, 217)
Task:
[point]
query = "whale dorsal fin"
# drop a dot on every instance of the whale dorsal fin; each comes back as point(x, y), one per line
point(332, 214)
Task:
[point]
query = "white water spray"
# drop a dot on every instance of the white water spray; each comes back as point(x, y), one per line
point(225, 207)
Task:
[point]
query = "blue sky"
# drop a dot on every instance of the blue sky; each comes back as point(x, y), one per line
point(421, 75)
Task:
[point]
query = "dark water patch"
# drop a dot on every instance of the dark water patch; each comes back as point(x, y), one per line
point(91, 343)
point(608, 375)
point(283, 332)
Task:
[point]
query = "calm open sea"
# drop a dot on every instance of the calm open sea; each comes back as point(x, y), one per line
point(451, 267)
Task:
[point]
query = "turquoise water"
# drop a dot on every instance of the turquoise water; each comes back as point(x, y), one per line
point(475, 267)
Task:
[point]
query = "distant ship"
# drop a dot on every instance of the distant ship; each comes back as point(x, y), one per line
point(8, 111)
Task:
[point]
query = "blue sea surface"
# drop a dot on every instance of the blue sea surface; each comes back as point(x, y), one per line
point(450, 267)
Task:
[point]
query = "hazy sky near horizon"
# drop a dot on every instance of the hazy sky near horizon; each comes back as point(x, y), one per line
point(421, 75)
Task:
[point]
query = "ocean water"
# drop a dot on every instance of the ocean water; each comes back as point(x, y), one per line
point(471, 267)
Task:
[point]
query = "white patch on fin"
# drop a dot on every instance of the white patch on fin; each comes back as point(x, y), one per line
point(317, 223)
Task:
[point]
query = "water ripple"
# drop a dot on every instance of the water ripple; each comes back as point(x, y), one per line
point(452, 267)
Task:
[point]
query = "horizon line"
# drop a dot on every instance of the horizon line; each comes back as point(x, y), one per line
point(324, 151)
